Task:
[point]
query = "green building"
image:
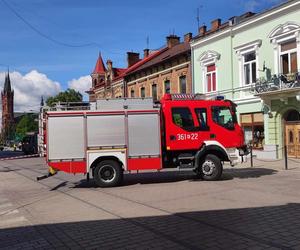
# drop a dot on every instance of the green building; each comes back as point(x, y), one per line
point(254, 59)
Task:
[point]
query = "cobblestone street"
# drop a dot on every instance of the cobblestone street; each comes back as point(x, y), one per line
point(250, 208)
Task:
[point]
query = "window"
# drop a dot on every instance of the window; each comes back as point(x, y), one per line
point(247, 55)
point(154, 92)
point(132, 93)
point(142, 92)
point(208, 61)
point(253, 126)
point(224, 116)
point(167, 87)
point(249, 68)
point(288, 57)
point(182, 117)
point(284, 40)
point(211, 78)
point(182, 84)
point(202, 118)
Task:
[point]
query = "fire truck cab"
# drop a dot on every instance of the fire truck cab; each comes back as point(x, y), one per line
point(201, 134)
point(135, 134)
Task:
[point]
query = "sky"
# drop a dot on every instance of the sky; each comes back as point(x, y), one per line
point(51, 45)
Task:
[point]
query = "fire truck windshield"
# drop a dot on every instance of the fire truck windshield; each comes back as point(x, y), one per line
point(224, 116)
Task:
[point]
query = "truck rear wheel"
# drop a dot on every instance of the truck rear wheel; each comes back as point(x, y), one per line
point(108, 173)
point(211, 168)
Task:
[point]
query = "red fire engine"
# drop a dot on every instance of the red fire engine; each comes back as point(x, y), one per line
point(134, 134)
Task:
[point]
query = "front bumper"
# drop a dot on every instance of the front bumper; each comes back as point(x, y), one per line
point(235, 155)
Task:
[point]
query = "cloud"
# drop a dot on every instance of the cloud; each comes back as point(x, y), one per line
point(29, 88)
point(254, 5)
point(81, 84)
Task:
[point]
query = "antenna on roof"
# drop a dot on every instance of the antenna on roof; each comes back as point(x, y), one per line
point(147, 41)
point(173, 32)
point(198, 15)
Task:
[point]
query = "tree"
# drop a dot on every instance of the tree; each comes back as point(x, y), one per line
point(28, 123)
point(70, 95)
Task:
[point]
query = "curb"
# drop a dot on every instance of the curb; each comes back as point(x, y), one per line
point(19, 157)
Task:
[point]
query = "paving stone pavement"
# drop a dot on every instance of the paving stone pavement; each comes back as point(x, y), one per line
point(250, 208)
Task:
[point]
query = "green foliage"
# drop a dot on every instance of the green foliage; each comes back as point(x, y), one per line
point(28, 123)
point(70, 95)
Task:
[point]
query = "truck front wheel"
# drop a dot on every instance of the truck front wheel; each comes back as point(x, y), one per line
point(211, 168)
point(108, 173)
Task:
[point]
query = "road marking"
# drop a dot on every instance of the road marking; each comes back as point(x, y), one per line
point(8, 212)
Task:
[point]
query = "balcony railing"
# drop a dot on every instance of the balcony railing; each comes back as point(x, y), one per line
point(278, 82)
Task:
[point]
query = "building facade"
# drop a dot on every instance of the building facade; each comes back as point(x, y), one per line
point(163, 71)
point(254, 59)
point(107, 82)
point(7, 96)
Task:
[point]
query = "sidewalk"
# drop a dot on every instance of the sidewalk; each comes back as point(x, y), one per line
point(293, 164)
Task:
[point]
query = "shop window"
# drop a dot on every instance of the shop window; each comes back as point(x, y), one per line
point(253, 126)
point(182, 84)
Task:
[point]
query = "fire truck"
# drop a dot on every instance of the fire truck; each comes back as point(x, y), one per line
point(130, 135)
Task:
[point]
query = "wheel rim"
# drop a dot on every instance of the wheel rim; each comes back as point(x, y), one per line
point(208, 167)
point(107, 173)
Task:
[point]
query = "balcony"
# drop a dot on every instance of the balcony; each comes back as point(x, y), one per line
point(278, 83)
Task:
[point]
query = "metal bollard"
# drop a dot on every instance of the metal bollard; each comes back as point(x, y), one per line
point(285, 158)
point(251, 157)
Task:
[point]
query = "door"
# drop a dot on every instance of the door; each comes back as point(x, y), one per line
point(292, 138)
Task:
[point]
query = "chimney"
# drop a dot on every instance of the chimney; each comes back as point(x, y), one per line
point(202, 30)
point(146, 53)
point(215, 24)
point(109, 64)
point(188, 37)
point(132, 58)
point(172, 40)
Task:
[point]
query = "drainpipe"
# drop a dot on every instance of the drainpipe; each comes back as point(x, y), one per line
point(231, 61)
point(192, 69)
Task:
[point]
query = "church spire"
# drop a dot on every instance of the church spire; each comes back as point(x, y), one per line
point(99, 68)
point(7, 84)
point(42, 101)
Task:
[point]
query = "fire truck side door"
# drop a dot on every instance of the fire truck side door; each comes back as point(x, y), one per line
point(183, 130)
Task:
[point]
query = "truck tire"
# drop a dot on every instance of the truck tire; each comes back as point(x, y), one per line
point(211, 168)
point(108, 173)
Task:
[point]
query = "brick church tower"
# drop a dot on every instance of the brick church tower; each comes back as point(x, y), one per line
point(7, 96)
